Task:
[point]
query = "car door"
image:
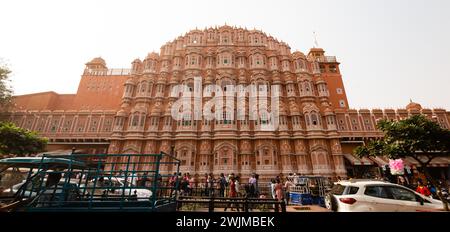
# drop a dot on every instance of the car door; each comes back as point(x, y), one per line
point(426, 205)
point(379, 199)
point(405, 199)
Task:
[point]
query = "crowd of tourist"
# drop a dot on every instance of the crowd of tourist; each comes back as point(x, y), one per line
point(278, 188)
point(231, 186)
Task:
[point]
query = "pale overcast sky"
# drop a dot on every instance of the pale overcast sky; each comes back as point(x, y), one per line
point(390, 51)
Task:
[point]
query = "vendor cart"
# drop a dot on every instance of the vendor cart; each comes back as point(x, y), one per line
point(308, 190)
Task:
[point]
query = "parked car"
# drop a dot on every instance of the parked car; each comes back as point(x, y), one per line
point(377, 196)
point(30, 190)
point(115, 186)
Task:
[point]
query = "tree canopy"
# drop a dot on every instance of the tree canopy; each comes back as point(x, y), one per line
point(5, 89)
point(18, 141)
point(416, 137)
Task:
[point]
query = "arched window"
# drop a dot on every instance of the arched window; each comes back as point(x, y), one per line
point(226, 117)
point(142, 120)
point(224, 83)
point(135, 120)
point(149, 88)
point(225, 38)
point(307, 119)
point(143, 87)
point(307, 86)
point(264, 118)
point(314, 119)
point(168, 121)
point(258, 60)
point(138, 88)
point(273, 61)
point(186, 121)
point(330, 120)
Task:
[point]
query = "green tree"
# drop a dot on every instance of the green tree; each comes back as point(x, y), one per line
point(416, 137)
point(18, 141)
point(5, 89)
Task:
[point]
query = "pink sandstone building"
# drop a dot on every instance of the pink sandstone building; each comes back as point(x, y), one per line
point(129, 110)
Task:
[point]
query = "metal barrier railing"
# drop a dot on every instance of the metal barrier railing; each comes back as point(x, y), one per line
point(112, 182)
point(245, 204)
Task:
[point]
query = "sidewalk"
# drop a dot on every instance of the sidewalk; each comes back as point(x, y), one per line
point(289, 209)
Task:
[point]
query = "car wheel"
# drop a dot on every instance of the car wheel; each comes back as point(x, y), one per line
point(330, 202)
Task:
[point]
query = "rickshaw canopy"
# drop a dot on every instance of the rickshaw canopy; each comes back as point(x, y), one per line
point(36, 162)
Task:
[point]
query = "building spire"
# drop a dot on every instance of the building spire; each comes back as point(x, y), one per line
point(316, 44)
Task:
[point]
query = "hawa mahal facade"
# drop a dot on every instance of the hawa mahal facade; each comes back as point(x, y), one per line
point(129, 110)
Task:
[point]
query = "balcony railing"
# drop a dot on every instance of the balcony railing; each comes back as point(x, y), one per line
point(108, 72)
point(327, 59)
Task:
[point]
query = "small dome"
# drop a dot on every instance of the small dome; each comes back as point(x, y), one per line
point(152, 55)
point(413, 106)
point(297, 55)
point(136, 61)
point(316, 50)
point(225, 27)
point(97, 61)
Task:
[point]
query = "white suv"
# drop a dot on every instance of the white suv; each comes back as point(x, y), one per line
point(377, 196)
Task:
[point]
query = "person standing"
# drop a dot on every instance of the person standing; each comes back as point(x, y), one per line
point(252, 186)
point(279, 190)
point(192, 185)
point(232, 194)
point(237, 185)
point(401, 181)
point(256, 185)
point(211, 185)
point(287, 186)
point(144, 179)
point(422, 189)
point(272, 188)
point(205, 185)
point(185, 185)
point(223, 184)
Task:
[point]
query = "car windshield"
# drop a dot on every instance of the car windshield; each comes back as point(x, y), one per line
point(11, 179)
